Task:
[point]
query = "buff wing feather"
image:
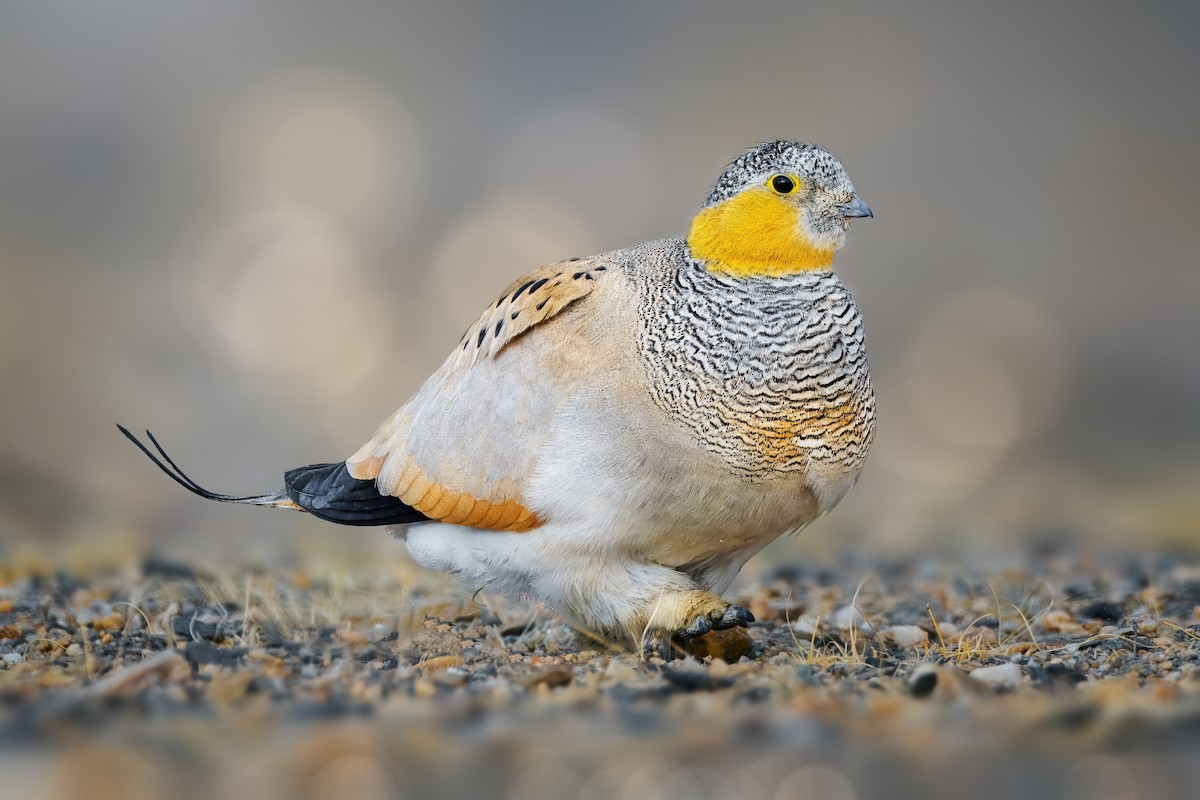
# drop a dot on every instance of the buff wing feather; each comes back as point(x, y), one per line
point(439, 452)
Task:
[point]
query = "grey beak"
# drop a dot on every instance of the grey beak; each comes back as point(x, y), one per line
point(855, 208)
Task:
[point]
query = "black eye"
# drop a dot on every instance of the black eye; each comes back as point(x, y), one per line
point(783, 184)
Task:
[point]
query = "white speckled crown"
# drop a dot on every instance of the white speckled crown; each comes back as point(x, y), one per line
point(806, 160)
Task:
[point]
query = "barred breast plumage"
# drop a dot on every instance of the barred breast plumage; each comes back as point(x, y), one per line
point(769, 373)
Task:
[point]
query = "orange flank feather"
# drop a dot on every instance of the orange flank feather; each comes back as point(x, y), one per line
point(441, 503)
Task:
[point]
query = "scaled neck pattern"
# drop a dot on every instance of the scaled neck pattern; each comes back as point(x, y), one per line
point(768, 373)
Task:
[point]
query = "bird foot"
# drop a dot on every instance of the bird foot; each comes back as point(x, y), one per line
point(685, 617)
point(716, 620)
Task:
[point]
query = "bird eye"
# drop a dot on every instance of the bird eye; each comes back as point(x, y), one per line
point(783, 184)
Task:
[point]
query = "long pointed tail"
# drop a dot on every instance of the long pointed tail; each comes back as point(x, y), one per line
point(326, 491)
point(277, 499)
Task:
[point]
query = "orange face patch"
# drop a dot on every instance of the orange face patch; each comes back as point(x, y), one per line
point(755, 233)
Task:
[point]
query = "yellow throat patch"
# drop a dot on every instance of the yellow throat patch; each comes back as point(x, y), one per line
point(755, 233)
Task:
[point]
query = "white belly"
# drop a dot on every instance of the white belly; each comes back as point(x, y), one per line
point(639, 484)
point(632, 504)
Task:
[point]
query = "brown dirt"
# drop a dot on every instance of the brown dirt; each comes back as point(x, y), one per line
point(1050, 673)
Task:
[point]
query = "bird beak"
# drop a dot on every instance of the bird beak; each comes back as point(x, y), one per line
point(855, 208)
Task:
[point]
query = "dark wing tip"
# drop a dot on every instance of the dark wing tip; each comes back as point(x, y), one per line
point(329, 492)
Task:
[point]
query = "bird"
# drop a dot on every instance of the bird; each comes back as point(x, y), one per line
point(617, 435)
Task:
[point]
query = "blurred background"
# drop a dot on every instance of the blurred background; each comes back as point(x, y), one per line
point(254, 228)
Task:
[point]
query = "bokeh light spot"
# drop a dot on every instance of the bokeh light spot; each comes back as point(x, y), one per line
point(359, 777)
point(1100, 777)
point(515, 234)
point(816, 783)
point(333, 143)
point(285, 294)
point(984, 372)
point(549, 781)
point(586, 156)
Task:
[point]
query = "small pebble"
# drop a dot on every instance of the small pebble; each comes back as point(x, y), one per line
point(923, 682)
point(439, 663)
point(1000, 676)
point(728, 645)
point(847, 617)
point(1103, 610)
point(905, 636)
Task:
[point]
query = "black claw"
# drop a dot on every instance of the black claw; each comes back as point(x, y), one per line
point(699, 627)
point(735, 617)
point(658, 645)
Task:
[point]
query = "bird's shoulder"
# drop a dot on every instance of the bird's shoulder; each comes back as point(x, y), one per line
point(462, 449)
point(596, 289)
point(527, 303)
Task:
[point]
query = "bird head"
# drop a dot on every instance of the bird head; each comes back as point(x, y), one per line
point(781, 208)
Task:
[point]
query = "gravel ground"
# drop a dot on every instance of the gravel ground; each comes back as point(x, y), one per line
point(1045, 675)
